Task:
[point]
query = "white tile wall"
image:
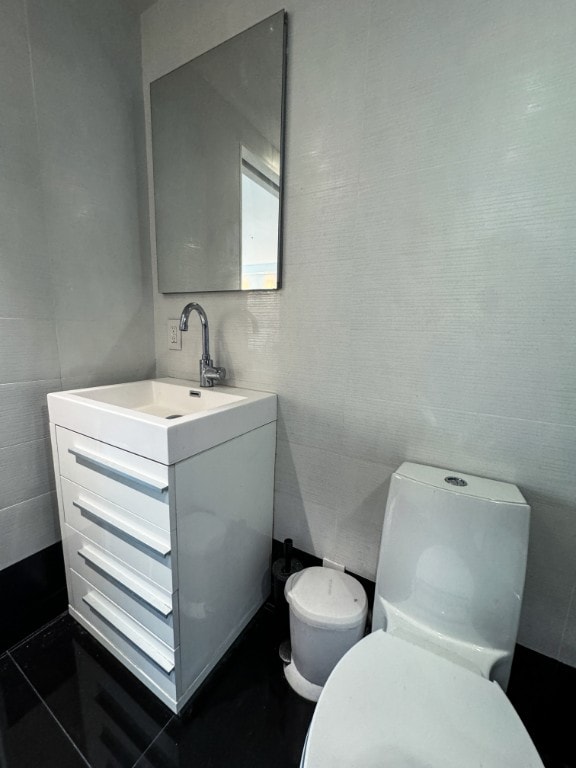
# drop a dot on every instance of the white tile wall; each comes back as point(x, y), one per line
point(75, 301)
point(34, 520)
point(568, 642)
point(25, 471)
point(24, 411)
point(428, 305)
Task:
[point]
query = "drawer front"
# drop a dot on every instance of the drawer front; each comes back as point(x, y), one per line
point(145, 602)
point(131, 540)
point(137, 484)
point(145, 653)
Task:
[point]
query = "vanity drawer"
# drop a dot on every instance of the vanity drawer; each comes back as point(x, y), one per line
point(137, 484)
point(148, 604)
point(139, 545)
point(149, 658)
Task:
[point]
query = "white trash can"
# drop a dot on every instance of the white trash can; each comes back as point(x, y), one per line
point(328, 610)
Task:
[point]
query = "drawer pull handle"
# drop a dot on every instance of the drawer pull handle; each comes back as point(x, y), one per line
point(128, 527)
point(130, 630)
point(119, 470)
point(131, 581)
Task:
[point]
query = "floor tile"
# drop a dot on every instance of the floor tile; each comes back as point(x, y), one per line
point(109, 715)
point(29, 735)
point(246, 716)
point(539, 689)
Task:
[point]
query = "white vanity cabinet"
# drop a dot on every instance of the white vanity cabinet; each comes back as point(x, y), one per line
point(166, 563)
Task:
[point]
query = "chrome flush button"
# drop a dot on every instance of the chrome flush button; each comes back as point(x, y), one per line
point(455, 481)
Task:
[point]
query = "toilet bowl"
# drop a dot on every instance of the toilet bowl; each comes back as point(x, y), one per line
point(391, 704)
point(427, 688)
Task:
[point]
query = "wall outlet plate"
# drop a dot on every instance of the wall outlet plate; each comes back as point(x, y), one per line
point(174, 334)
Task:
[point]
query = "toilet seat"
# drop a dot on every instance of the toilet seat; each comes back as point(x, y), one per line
point(390, 704)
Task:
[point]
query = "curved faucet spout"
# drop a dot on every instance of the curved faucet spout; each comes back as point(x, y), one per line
point(193, 306)
point(209, 373)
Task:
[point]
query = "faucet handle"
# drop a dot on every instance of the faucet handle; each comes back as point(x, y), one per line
point(215, 373)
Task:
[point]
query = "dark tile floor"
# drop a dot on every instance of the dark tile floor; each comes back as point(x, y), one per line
point(64, 701)
point(542, 691)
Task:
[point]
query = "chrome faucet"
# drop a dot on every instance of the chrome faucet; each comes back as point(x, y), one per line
point(209, 373)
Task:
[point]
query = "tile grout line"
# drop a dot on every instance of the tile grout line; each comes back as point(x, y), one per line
point(25, 382)
point(8, 653)
point(24, 442)
point(49, 492)
point(35, 632)
point(160, 732)
point(45, 705)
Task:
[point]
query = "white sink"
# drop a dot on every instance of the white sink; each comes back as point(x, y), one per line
point(167, 420)
point(158, 397)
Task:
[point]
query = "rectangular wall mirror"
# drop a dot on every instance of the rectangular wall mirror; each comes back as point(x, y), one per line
point(217, 135)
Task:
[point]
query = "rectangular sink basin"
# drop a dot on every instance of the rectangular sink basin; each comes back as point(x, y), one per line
point(159, 398)
point(166, 420)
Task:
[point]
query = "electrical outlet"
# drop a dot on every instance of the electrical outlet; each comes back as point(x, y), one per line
point(174, 334)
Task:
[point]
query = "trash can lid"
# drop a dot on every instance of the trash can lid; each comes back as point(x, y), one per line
point(326, 598)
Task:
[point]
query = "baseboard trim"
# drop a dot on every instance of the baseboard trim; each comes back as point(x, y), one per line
point(33, 592)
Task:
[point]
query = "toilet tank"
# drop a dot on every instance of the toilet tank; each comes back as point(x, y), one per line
point(452, 566)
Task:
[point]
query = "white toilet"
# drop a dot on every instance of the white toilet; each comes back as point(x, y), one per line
point(426, 688)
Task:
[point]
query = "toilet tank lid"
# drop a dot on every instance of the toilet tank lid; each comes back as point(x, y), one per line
point(326, 598)
point(458, 482)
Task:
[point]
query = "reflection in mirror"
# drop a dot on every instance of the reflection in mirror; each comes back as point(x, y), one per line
point(217, 129)
point(260, 210)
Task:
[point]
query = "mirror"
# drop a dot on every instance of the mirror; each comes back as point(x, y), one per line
point(217, 131)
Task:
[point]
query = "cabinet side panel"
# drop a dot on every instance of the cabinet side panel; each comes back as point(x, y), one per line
point(224, 501)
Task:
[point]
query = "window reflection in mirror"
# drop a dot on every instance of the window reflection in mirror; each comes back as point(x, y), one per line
point(217, 129)
point(259, 221)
